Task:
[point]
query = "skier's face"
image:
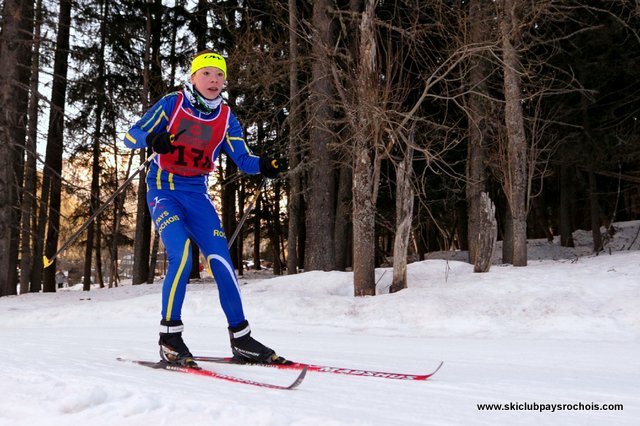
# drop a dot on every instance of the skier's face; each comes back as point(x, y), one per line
point(209, 81)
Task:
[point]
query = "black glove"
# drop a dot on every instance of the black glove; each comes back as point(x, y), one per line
point(269, 167)
point(161, 142)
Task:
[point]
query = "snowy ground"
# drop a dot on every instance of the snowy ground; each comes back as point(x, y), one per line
point(563, 330)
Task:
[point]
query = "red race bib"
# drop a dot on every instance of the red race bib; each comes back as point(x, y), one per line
point(195, 146)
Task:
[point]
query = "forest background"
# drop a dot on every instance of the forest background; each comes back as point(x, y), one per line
point(404, 126)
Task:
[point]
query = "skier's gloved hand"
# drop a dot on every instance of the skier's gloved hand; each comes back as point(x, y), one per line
point(161, 142)
point(269, 167)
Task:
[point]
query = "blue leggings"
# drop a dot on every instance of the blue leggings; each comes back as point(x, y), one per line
point(177, 216)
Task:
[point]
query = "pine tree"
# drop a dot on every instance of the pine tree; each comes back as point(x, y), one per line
point(15, 46)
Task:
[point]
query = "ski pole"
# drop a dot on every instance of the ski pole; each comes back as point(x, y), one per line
point(47, 261)
point(252, 202)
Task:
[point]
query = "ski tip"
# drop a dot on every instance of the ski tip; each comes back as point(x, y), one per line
point(425, 377)
point(298, 379)
point(46, 262)
point(153, 364)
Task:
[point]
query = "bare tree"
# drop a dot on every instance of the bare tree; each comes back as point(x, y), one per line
point(366, 135)
point(480, 110)
point(485, 240)
point(404, 216)
point(515, 183)
point(412, 129)
point(388, 105)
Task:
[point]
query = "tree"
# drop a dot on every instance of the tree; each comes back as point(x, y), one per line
point(485, 240)
point(404, 215)
point(118, 212)
point(29, 193)
point(295, 136)
point(366, 136)
point(52, 180)
point(15, 45)
point(599, 143)
point(320, 219)
point(152, 91)
point(515, 183)
point(480, 122)
point(94, 204)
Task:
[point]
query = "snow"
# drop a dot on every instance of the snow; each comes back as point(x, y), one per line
point(563, 330)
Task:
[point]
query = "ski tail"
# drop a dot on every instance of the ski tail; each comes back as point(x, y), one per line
point(163, 365)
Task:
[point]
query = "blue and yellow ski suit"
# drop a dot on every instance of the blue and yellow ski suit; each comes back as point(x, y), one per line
point(178, 199)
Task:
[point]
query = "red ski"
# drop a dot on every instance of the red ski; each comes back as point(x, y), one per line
point(161, 365)
point(323, 368)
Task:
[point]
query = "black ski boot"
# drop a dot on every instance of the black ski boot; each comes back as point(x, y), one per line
point(246, 349)
point(172, 348)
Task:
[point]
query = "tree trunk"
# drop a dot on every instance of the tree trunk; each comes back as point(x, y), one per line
point(594, 211)
point(257, 211)
point(55, 139)
point(343, 219)
point(29, 194)
point(507, 237)
point(142, 239)
point(364, 157)
point(321, 193)
point(302, 233)
point(404, 216)
point(240, 238)
point(94, 203)
point(199, 29)
point(142, 236)
point(479, 123)
point(344, 207)
point(295, 130)
point(154, 257)
point(364, 242)
point(566, 194)
point(540, 216)
point(229, 212)
point(594, 206)
point(99, 274)
point(15, 44)
point(516, 176)
point(273, 229)
point(294, 209)
point(199, 25)
point(118, 210)
point(486, 238)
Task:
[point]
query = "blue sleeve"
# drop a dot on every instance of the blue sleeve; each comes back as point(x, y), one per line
point(237, 149)
point(155, 120)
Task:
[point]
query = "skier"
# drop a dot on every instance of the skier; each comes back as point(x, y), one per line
point(187, 130)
